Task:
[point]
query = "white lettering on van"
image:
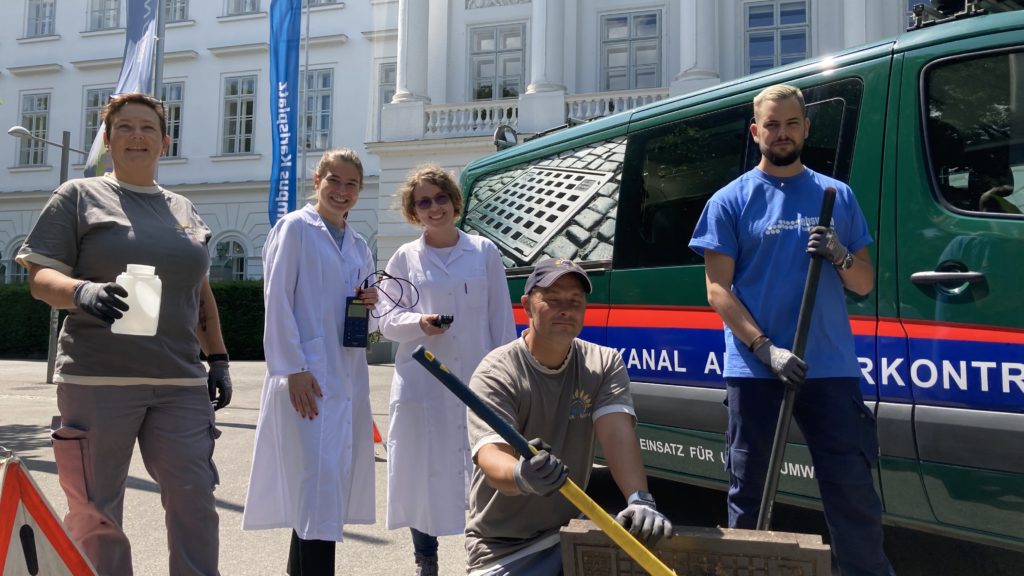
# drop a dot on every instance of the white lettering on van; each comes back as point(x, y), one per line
point(798, 470)
point(915, 373)
point(866, 365)
point(652, 359)
point(950, 374)
point(890, 370)
point(712, 365)
point(983, 368)
point(1013, 372)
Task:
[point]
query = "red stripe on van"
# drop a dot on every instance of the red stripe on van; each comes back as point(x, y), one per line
point(964, 332)
point(704, 318)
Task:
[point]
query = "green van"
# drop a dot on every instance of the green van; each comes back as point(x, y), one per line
point(928, 129)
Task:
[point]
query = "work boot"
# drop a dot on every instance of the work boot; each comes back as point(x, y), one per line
point(426, 565)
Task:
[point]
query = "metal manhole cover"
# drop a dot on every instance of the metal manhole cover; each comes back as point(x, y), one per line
point(522, 216)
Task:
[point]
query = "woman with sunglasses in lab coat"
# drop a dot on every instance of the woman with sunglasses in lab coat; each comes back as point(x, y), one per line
point(457, 275)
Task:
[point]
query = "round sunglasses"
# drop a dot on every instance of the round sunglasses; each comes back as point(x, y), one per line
point(426, 203)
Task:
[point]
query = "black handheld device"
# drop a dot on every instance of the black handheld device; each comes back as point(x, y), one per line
point(357, 322)
point(443, 320)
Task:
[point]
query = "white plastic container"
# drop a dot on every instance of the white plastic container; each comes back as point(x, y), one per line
point(143, 315)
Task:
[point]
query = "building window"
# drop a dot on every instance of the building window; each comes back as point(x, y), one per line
point(104, 14)
point(776, 34)
point(320, 2)
point(316, 98)
point(387, 85)
point(239, 109)
point(242, 7)
point(95, 100)
point(496, 60)
point(631, 51)
point(42, 16)
point(173, 94)
point(175, 10)
point(10, 271)
point(35, 117)
point(228, 262)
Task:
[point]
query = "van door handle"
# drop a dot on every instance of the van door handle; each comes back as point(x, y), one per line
point(946, 277)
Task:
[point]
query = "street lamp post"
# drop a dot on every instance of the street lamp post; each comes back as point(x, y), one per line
point(65, 149)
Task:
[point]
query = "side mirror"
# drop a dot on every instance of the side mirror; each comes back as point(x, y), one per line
point(505, 137)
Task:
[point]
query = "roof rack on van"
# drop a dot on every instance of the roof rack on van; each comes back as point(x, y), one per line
point(940, 11)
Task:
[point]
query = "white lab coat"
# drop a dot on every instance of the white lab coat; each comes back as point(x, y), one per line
point(313, 476)
point(429, 463)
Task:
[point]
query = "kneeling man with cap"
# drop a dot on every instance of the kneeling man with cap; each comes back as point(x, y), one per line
point(550, 386)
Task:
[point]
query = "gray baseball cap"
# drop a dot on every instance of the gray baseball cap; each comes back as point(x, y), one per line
point(546, 272)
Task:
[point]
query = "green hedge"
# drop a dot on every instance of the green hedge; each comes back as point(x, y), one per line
point(25, 320)
point(240, 305)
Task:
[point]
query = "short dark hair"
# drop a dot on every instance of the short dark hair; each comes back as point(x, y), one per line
point(119, 101)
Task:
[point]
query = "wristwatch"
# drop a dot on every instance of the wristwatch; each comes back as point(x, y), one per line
point(641, 497)
point(847, 262)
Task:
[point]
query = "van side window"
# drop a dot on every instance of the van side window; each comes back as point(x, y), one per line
point(975, 133)
point(562, 206)
point(673, 170)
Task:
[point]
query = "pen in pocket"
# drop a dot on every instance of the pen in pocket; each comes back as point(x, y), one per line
point(465, 288)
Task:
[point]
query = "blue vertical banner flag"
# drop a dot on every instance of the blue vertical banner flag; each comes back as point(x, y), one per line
point(136, 69)
point(285, 34)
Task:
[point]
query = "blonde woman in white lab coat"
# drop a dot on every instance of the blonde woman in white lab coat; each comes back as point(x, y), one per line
point(429, 463)
point(312, 466)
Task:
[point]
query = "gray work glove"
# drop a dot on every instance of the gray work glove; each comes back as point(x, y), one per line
point(101, 300)
point(644, 522)
point(542, 473)
point(789, 367)
point(218, 381)
point(824, 243)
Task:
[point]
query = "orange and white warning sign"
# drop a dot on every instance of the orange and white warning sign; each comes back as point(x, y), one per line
point(32, 539)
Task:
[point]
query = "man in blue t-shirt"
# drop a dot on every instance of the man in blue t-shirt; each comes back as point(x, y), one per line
point(755, 235)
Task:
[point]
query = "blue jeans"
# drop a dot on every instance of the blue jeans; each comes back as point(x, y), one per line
point(424, 544)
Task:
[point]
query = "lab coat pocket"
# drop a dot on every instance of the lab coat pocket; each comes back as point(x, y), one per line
point(476, 292)
point(73, 457)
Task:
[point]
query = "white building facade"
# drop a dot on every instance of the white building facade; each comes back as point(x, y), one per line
point(463, 67)
point(59, 62)
point(401, 81)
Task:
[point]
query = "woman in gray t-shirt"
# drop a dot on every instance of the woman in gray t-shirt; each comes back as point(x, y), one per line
point(114, 389)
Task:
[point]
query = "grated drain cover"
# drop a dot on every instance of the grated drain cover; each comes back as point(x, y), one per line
point(524, 214)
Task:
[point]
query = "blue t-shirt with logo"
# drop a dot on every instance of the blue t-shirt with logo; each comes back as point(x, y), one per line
point(763, 223)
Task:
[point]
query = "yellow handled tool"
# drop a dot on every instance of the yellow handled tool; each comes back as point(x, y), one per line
point(570, 490)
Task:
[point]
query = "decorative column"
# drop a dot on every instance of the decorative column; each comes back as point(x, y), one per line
point(405, 117)
point(698, 40)
point(543, 105)
point(546, 47)
point(411, 81)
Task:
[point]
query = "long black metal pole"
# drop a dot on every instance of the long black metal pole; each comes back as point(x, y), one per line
point(803, 325)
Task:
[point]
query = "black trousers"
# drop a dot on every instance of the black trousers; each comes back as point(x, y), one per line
point(310, 557)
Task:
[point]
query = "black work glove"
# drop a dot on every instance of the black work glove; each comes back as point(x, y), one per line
point(824, 243)
point(218, 380)
point(101, 300)
point(643, 521)
point(542, 473)
point(789, 367)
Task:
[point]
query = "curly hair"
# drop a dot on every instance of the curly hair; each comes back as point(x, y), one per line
point(432, 174)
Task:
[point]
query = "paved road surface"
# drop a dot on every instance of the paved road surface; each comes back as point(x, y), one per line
point(27, 404)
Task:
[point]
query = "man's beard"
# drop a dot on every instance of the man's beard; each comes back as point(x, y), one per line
point(777, 159)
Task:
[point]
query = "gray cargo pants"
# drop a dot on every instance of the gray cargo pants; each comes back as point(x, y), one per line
point(93, 447)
